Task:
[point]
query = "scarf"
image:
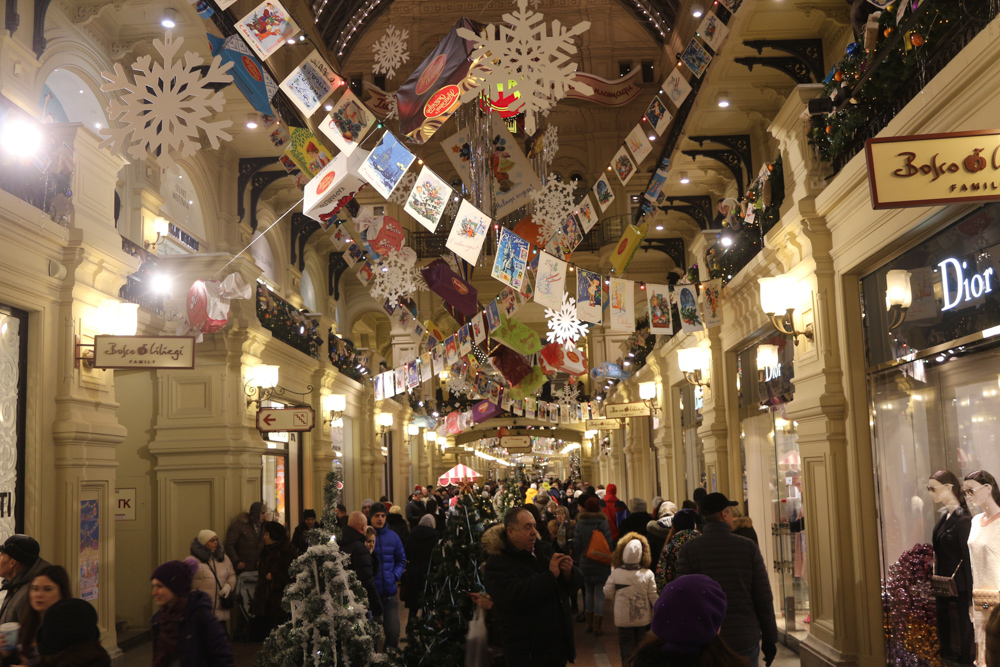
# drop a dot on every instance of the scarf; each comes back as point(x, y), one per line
point(171, 616)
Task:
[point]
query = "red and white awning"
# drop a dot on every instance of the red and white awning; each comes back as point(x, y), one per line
point(457, 475)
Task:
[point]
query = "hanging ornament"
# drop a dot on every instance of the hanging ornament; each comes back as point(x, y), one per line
point(564, 326)
point(396, 276)
point(404, 188)
point(390, 51)
point(167, 104)
point(916, 39)
point(553, 204)
point(568, 396)
point(838, 75)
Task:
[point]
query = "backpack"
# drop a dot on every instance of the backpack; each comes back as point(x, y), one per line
point(598, 549)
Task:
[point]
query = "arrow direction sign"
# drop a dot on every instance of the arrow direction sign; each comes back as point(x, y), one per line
point(270, 420)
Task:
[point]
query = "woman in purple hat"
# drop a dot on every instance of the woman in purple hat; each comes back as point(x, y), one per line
point(185, 629)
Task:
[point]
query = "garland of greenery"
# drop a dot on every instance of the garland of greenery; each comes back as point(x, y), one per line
point(287, 323)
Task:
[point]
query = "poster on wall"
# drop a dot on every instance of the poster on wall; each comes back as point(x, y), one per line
point(311, 83)
point(89, 544)
point(267, 27)
point(658, 300)
point(622, 307)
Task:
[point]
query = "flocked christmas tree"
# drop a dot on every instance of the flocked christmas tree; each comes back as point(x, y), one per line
point(438, 639)
point(329, 606)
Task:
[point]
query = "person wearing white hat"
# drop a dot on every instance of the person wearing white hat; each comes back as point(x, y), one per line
point(216, 576)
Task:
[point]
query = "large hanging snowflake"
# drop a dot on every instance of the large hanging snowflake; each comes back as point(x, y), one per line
point(525, 52)
point(568, 396)
point(564, 326)
point(403, 189)
point(461, 385)
point(550, 144)
point(390, 51)
point(166, 105)
point(396, 276)
point(553, 204)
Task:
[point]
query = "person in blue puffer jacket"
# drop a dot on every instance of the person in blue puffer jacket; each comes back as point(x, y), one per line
point(389, 559)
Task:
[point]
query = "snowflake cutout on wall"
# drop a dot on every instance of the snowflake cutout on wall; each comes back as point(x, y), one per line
point(390, 51)
point(403, 189)
point(525, 52)
point(396, 276)
point(166, 105)
point(564, 326)
point(553, 204)
point(550, 144)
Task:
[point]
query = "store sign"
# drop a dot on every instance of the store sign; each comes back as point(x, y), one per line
point(604, 425)
point(285, 419)
point(934, 169)
point(772, 372)
point(143, 352)
point(516, 444)
point(125, 504)
point(620, 410)
point(961, 287)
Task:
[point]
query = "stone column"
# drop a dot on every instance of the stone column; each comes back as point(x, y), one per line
point(714, 431)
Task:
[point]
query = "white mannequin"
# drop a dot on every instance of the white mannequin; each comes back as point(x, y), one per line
point(984, 550)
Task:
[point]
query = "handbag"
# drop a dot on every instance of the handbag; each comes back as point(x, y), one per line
point(477, 642)
point(985, 600)
point(945, 587)
point(598, 549)
point(227, 601)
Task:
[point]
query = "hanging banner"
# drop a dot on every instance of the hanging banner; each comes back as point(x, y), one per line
point(603, 425)
point(248, 73)
point(616, 93)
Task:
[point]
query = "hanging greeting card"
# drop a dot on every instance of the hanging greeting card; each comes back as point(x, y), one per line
point(508, 301)
point(382, 236)
point(340, 237)
point(530, 403)
point(428, 199)
point(713, 31)
point(658, 300)
point(638, 143)
point(266, 28)
point(511, 261)
point(696, 57)
point(588, 296)
point(623, 166)
point(551, 281)
point(586, 215)
point(366, 273)
point(478, 328)
point(711, 303)
point(450, 350)
point(426, 367)
point(348, 122)
point(399, 375)
point(627, 246)
point(379, 392)
point(386, 165)
point(676, 87)
point(388, 383)
point(305, 150)
point(412, 375)
point(656, 184)
point(687, 307)
point(353, 254)
point(622, 308)
point(464, 341)
point(468, 233)
point(311, 83)
point(658, 116)
point(437, 358)
point(602, 190)
point(493, 315)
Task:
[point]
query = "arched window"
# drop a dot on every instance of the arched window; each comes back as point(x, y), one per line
point(308, 292)
point(67, 99)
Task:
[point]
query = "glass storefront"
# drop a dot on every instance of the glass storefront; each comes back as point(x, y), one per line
point(695, 472)
point(281, 465)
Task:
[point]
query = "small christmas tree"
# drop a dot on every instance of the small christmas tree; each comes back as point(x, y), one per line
point(512, 495)
point(437, 639)
point(329, 606)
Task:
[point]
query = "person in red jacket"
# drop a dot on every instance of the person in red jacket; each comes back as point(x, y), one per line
point(614, 509)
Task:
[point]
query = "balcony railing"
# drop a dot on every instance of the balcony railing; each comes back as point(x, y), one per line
point(44, 183)
point(288, 324)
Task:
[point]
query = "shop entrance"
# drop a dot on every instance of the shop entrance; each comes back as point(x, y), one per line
point(281, 489)
point(13, 376)
point(694, 450)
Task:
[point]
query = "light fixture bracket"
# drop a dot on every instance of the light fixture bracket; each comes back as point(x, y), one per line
point(786, 324)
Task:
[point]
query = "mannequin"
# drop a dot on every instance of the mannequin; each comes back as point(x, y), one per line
point(984, 548)
point(951, 555)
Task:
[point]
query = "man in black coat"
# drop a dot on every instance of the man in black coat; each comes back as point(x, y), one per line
point(415, 508)
point(530, 586)
point(637, 520)
point(352, 543)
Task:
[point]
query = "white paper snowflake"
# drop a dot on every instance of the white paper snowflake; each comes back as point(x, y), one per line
point(390, 51)
point(396, 276)
point(550, 144)
point(553, 204)
point(460, 385)
point(564, 326)
point(525, 52)
point(403, 189)
point(568, 396)
point(166, 105)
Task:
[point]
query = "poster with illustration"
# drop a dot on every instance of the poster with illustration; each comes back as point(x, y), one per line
point(428, 199)
point(621, 295)
point(713, 31)
point(464, 341)
point(623, 166)
point(468, 233)
point(437, 358)
point(530, 407)
point(412, 375)
point(354, 254)
point(586, 215)
point(89, 549)
point(305, 150)
point(266, 28)
point(426, 367)
point(366, 273)
point(711, 302)
point(386, 164)
point(311, 83)
point(658, 115)
point(478, 328)
point(511, 263)
point(399, 376)
point(450, 350)
point(602, 190)
point(277, 132)
point(676, 87)
point(687, 306)
point(493, 315)
point(348, 122)
point(588, 296)
point(638, 143)
point(508, 301)
point(379, 391)
point(513, 177)
point(656, 184)
point(551, 281)
point(696, 57)
point(658, 300)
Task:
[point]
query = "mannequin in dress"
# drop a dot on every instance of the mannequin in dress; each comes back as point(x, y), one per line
point(984, 548)
point(951, 555)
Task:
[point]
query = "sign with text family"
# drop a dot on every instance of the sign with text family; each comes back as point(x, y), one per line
point(143, 352)
point(619, 410)
point(931, 169)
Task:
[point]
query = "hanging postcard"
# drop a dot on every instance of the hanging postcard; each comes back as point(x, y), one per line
point(658, 116)
point(379, 392)
point(658, 300)
point(588, 296)
point(656, 184)
point(311, 83)
point(493, 315)
point(412, 375)
point(696, 57)
point(340, 237)
point(353, 254)
point(602, 190)
point(450, 350)
point(622, 308)
point(366, 273)
point(468, 233)
point(464, 341)
point(711, 304)
point(713, 31)
point(428, 199)
point(305, 150)
point(382, 235)
point(508, 301)
point(687, 307)
point(386, 165)
point(623, 166)
point(586, 215)
point(399, 376)
point(266, 28)
point(478, 328)
point(551, 281)
point(511, 263)
point(676, 87)
point(437, 358)
point(638, 143)
point(348, 122)
point(388, 383)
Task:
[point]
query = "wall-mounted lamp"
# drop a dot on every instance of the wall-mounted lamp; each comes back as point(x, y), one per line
point(898, 296)
point(260, 384)
point(384, 422)
point(412, 429)
point(694, 362)
point(114, 318)
point(647, 393)
point(334, 405)
point(162, 229)
point(778, 297)
point(430, 436)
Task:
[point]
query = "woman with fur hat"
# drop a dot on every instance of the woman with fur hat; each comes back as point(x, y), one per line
point(633, 589)
point(216, 576)
point(69, 636)
point(185, 630)
point(595, 573)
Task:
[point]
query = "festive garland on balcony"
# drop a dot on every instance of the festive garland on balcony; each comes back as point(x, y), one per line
point(345, 358)
point(288, 324)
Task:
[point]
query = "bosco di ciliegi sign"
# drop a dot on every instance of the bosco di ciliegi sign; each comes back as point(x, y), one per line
point(143, 352)
point(933, 169)
point(620, 410)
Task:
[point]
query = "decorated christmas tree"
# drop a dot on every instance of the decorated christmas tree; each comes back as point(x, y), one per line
point(437, 639)
point(329, 606)
point(512, 494)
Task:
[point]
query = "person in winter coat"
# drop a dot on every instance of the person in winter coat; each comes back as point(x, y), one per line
point(216, 576)
point(309, 522)
point(594, 573)
point(615, 510)
point(19, 564)
point(415, 508)
point(396, 523)
point(682, 532)
point(185, 631)
point(50, 585)
point(637, 520)
point(530, 494)
point(352, 543)
point(389, 558)
point(529, 587)
point(275, 559)
point(245, 539)
point(561, 530)
point(743, 526)
point(658, 529)
point(69, 636)
point(419, 547)
point(633, 589)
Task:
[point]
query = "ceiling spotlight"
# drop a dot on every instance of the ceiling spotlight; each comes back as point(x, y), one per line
point(329, 107)
point(652, 137)
point(696, 10)
point(251, 121)
point(290, 40)
point(169, 19)
point(722, 100)
point(684, 178)
point(659, 228)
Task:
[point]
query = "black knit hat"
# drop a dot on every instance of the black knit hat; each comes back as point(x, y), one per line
point(21, 548)
point(275, 530)
point(308, 514)
point(379, 507)
point(177, 575)
point(67, 623)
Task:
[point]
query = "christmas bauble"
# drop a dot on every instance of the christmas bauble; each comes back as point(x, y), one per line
point(887, 32)
point(829, 129)
point(839, 76)
point(917, 39)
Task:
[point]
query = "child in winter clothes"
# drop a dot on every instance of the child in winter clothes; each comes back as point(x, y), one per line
point(633, 588)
